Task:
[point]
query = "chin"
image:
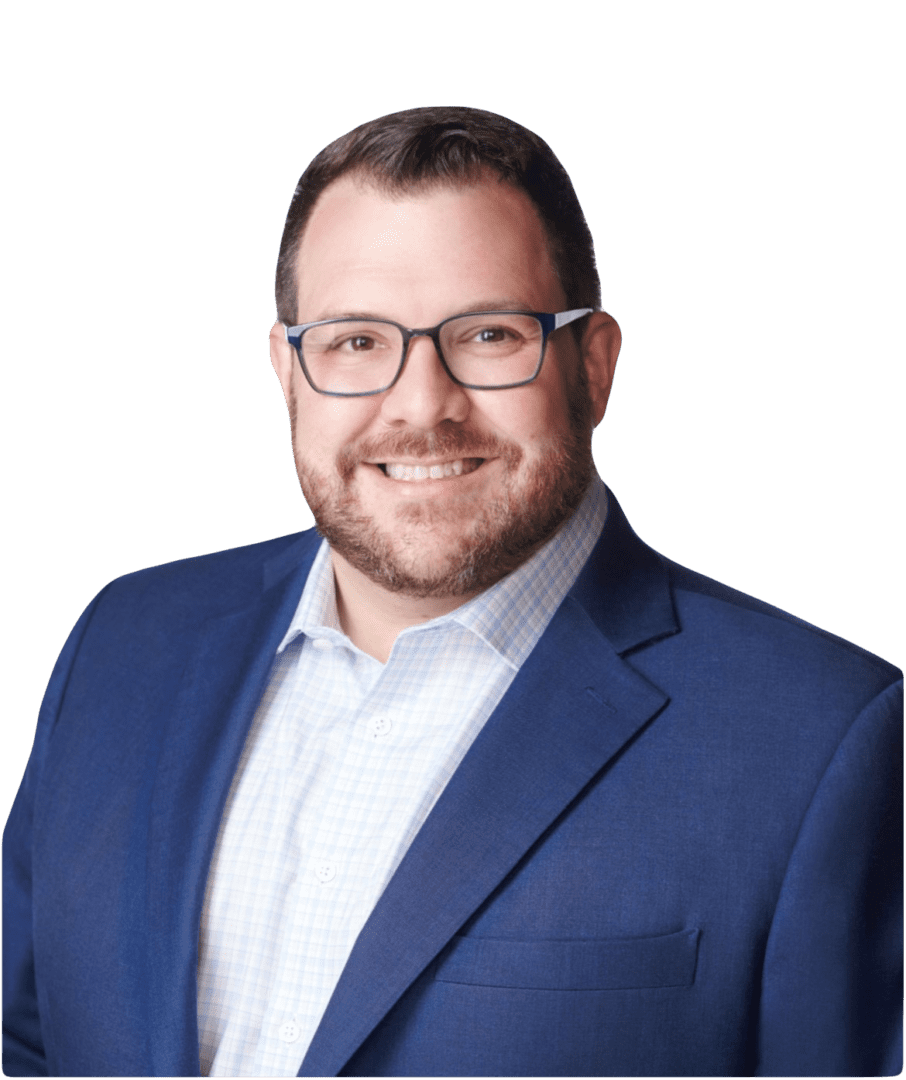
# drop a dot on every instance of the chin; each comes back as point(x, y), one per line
point(427, 550)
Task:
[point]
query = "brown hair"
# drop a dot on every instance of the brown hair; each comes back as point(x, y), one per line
point(449, 146)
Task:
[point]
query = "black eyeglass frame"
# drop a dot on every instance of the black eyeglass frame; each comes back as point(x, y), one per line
point(549, 323)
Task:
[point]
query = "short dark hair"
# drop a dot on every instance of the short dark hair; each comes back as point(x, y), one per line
point(442, 146)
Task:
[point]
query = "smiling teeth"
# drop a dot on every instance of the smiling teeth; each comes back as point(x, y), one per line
point(430, 472)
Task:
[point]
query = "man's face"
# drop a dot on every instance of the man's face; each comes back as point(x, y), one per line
point(515, 462)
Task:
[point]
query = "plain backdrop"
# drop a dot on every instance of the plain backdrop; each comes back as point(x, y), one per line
point(741, 166)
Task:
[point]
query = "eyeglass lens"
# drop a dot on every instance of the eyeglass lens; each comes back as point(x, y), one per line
point(487, 351)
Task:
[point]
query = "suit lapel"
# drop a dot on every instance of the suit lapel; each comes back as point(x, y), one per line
point(574, 704)
point(201, 742)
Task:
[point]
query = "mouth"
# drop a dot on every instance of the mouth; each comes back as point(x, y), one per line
point(441, 470)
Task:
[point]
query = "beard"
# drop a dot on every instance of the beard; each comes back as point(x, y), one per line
point(483, 540)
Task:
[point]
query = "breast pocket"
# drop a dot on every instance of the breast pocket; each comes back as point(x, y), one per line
point(611, 964)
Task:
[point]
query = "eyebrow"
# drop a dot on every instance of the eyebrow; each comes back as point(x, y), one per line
point(496, 304)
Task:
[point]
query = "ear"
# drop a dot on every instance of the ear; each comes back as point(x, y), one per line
point(600, 348)
point(283, 358)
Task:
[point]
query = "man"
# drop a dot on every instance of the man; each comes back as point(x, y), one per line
point(479, 784)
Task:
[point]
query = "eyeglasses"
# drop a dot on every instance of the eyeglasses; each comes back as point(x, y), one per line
point(484, 350)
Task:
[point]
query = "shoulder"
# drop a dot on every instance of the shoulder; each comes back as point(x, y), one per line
point(205, 585)
point(664, 615)
point(774, 654)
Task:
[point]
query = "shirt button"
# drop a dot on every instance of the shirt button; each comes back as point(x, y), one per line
point(290, 1031)
point(325, 871)
point(321, 643)
point(379, 725)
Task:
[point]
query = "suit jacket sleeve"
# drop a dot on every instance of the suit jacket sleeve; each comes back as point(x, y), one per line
point(832, 986)
point(23, 1045)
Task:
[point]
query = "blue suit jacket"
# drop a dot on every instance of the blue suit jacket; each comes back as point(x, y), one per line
point(673, 848)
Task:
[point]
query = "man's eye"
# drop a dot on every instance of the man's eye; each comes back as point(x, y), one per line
point(492, 335)
point(357, 343)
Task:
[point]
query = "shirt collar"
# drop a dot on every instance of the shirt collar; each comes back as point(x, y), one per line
point(509, 617)
point(513, 614)
point(317, 610)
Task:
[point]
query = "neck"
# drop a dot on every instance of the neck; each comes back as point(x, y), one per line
point(373, 618)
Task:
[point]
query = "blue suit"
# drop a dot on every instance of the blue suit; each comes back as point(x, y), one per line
point(673, 849)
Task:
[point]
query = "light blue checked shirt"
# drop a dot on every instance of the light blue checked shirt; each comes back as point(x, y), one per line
point(343, 762)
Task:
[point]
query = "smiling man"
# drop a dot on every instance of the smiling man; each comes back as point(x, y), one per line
point(435, 466)
point(469, 781)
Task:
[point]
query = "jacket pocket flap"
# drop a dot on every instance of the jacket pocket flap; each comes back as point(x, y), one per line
point(615, 964)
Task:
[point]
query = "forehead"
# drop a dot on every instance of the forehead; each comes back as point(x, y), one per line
point(428, 251)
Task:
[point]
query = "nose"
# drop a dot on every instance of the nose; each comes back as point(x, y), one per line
point(424, 395)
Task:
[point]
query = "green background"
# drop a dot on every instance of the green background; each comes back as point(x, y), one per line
point(740, 169)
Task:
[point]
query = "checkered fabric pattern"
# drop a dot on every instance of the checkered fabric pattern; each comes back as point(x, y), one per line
point(344, 760)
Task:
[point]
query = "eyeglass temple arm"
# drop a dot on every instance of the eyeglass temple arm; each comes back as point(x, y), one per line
point(566, 317)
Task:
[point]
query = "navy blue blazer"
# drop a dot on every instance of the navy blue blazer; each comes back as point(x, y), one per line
point(673, 849)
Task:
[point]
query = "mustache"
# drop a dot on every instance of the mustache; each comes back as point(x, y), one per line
point(453, 442)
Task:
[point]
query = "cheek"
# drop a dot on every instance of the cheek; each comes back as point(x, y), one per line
point(323, 426)
point(531, 414)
